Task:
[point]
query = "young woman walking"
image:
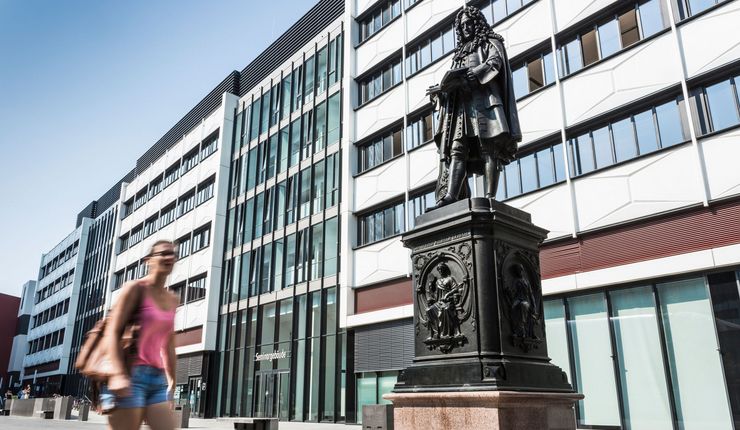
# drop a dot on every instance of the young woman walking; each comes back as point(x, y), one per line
point(144, 390)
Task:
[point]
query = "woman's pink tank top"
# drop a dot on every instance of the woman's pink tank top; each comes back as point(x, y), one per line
point(156, 327)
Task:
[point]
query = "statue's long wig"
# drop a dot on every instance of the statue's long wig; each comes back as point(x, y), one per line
point(483, 31)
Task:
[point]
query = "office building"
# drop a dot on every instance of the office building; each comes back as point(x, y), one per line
point(49, 339)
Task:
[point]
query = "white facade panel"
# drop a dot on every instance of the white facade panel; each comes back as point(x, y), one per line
point(643, 70)
point(423, 165)
point(381, 261)
point(539, 115)
point(419, 83)
point(550, 209)
point(649, 185)
point(718, 26)
point(526, 28)
point(570, 12)
point(379, 113)
point(720, 157)
point(363, 5)
point(379, 46)
point(426, 14)
point(380, 184)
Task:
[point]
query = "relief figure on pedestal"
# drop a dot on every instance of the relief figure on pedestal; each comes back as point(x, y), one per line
point(524, 307)
point(442, 301)
point(478, 127)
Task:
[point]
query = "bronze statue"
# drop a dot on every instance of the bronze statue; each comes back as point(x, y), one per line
point(478, 130)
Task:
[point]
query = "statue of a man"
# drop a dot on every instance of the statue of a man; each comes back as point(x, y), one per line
point(478, 130)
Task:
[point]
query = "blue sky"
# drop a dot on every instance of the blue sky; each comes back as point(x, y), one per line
point(86, 86)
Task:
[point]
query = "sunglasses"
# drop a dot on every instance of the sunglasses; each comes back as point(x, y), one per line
point(163, 254)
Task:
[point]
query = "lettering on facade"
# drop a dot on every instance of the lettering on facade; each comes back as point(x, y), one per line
point(277, 355)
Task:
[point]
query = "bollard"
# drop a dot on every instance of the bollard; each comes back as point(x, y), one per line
point(84, 411)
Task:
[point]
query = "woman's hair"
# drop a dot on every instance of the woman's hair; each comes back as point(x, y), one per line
point(157, 243)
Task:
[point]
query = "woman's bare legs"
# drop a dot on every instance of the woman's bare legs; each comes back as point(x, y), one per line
point(159, 416)
point(126, 419)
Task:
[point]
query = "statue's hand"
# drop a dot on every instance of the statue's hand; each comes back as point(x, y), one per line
point(472, 76)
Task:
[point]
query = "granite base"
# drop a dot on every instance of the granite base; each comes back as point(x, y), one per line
point(484, 410)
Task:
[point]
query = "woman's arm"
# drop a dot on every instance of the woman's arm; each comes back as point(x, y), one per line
point(119, 317)
point(170, 364)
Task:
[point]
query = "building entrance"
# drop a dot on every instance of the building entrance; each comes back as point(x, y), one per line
point(273, 394)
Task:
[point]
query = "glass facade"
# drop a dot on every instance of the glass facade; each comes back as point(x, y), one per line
point(285, 357)
point(649, 356)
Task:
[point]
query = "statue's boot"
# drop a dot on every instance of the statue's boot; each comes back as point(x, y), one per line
point(492, 168)
point(456, 175)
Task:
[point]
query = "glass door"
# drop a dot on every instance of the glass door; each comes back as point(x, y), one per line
point(194, 395)
point(273, 395)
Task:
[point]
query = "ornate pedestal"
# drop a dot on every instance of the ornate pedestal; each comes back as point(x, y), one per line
point(478, 319)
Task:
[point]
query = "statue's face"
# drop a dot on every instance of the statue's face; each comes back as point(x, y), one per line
point(467, 27)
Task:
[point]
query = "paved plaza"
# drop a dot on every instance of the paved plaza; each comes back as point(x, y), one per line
point(98, 422)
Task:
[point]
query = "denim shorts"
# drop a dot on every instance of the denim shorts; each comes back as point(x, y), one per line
point(148, 387)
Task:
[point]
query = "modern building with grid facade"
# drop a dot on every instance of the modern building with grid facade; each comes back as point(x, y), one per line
point(49, 339)
point(629, 111)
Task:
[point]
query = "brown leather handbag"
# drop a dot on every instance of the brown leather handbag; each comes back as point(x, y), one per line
point(94, 360)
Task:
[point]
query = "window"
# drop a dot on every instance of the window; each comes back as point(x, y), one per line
point(265, 114)
point(380, 81)
point(171, 174)
point(317, 193)
point(717, 106)
point(381, 224)
point(196, 288)
point(321, 72)
point(379, 18)
point(308, 79)
point(286, 84)
point(533, 74)
point(611, 35)
point(379, 150)
point(418, 206)
point(334, 122)
point(689, 8)
point(271, 156)
point(137, 234)
point(319, 133)
point(332, 180)
point(205, 191)
point(275, 108)
point(297, 79)
point(304, 203)
point(131, 272)
point(123, 243)
point(140, 198)
point(658, 127)
point(208, 147)
point(335, 60)
point(127, 208)
point(291, 205)
point(186, 203)
point(284, 141)
point(421, 130)
point(189, 161)
point(150, 225)
point(179, 290)
point(156, 186)
point(142, 270)
point(183, 246)
point(254, 130)
point(531, 172)
point(201, 238)
point(430, 50)
point(167, 215)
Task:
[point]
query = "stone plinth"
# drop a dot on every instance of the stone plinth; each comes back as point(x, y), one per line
point(484, 410)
